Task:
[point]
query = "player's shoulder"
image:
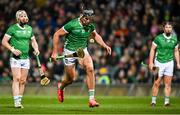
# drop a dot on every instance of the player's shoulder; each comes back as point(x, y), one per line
point(174, 35)
point(160, 35)
point(91, 25)
point(28, 26)
point(12, 25)
point(73, 21)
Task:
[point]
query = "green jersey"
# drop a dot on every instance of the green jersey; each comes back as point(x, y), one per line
point(165, 47)
point(78, 35)
point(20, 38)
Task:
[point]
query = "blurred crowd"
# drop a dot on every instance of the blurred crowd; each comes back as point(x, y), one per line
point(128, 26)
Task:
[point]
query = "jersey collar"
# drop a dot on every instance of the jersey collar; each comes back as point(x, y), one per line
point(20, 26)
point(80, 22)
point(167, 37)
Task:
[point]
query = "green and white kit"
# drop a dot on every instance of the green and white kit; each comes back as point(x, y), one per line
point(165, 46)
point(19, 38)
point(77, 37)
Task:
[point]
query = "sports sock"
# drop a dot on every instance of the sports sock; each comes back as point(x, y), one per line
point(154, 99)
point(61, 87)
point(20, 97)
point(166, 100)
point(16, 98)
point(91, 94)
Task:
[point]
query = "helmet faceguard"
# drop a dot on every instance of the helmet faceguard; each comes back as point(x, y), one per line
point(88, 13)
point(88, 16)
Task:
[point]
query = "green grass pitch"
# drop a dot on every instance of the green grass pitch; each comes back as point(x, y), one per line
point(79, 105)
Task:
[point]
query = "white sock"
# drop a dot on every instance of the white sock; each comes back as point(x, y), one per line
point(20, 97)
point(154, 99)
point(166, 100)
point(91, 94)
point(16, 98)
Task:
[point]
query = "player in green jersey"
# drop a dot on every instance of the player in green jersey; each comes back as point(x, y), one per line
point(165, 46)
point(77, 33)
point(17, 40)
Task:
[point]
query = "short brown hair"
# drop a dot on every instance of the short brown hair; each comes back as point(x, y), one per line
point(167, 23)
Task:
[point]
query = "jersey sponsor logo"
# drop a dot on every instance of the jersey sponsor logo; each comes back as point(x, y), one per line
point(79, 31)
point(18, 31)
point(23, 32)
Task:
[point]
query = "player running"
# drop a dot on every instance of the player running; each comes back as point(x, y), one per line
point(77, 33)
point(166, 45)
point(16, 40)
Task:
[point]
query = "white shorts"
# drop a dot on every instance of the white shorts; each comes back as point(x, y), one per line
point(19, 63)
point(72, 61)
point(166, 69)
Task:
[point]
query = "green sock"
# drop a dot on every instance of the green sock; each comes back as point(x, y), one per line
point(62, 86)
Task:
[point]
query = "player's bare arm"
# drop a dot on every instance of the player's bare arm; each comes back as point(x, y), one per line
point(35, 45)
point(6, 44)
point(100, 41)
point(176, 54)
point(60, 32)
point(151, 56)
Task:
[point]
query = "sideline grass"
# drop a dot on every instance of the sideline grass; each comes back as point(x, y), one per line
point(79, 105)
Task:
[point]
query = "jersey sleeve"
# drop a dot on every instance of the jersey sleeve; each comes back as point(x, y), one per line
point(32, 34)
point(93, 27)
point(176, 42)
point(67, 27)
point(9, 32)
point(156, 41)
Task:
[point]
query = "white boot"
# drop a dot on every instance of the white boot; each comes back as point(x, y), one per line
point(18, 104)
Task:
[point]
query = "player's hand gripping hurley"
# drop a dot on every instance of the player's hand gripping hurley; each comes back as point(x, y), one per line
point(78, 54)
point(44, 80)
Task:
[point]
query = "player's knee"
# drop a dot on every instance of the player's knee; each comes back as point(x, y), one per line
point(156, 84)
point(16, 79)
point(89, 69)
point(70, 77)
point(168, 85)
point(22, 81)
point(69, 81)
